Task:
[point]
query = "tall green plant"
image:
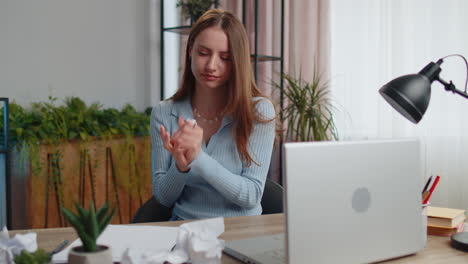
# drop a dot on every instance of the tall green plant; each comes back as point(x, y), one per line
point(89, 224)
point(307, 109)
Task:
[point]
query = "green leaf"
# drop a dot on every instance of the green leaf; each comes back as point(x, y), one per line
point(19, 131)
point(89, 243)
point(84, 136)
point(101, 213)
point(82, 212)
point(103, 224)
point(70, 216)
point(73, 219)
point(92, 224)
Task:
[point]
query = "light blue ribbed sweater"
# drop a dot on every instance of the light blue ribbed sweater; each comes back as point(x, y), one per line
point(218, 183)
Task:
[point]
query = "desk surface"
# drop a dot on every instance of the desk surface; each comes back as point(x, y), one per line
point(438, 249)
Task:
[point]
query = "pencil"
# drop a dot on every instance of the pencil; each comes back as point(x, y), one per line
point(427, 184)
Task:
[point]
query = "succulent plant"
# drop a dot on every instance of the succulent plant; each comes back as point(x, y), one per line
point(89, 224)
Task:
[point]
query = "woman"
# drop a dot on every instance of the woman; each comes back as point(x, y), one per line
point(217, 159)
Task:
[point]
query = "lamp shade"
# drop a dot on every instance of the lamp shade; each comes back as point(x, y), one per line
point(409, 95)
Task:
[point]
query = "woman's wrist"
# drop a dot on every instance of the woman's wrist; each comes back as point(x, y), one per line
point(182, 169)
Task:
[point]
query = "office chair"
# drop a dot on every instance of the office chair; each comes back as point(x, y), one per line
point(153, 211)
point(272, 199)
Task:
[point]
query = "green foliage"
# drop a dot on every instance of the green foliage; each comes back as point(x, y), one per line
point(46, 123)
point(37, 257)
point(194, 9)
point(89, 224)
point(307, 109)
point(49, 123)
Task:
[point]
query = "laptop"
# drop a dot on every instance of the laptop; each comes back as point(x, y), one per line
point(346, 202)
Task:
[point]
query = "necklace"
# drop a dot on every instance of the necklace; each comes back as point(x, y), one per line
point(205, 119)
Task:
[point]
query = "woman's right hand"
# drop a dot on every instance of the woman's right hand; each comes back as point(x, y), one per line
point(185, 143)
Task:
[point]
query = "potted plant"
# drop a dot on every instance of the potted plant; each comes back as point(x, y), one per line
point(194, 9)
point(89, 225)
point(37, 257)
point(307, 111)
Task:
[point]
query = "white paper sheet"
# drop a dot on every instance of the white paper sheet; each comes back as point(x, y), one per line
point(139, 239)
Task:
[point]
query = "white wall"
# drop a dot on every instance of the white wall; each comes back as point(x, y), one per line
point(98, 50)
point(374, 42)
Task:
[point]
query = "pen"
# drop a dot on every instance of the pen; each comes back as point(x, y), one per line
point(436, 181)
point(59, 247)
point(424, 196)
point(427, 184)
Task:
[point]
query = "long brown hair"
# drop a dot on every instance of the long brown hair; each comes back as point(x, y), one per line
point(241, 86)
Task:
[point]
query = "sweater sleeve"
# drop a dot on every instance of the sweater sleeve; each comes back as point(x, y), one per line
point(246, 189)
point(168, 181)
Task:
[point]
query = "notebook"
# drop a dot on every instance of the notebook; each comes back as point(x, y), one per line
point(346, 202)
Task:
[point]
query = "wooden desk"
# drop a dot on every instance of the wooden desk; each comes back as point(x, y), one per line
point(438, 249)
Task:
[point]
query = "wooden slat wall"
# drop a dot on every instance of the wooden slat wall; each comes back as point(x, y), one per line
point(37, 198)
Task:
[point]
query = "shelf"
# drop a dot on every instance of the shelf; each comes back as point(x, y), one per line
point(183, 30)
point(261, 58)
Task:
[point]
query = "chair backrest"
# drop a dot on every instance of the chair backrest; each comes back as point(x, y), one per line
point(153, 211)
point(272, 199)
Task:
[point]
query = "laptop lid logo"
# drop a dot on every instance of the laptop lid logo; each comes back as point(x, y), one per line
point(361, 200)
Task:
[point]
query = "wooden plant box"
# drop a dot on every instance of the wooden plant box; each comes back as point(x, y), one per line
point(117, 171)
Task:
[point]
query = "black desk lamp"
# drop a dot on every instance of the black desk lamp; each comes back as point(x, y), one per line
point(410, 95)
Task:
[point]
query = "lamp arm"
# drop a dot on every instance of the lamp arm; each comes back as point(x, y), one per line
point(441, 60)
point(449, 86)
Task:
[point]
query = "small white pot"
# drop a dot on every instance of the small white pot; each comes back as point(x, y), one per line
point(78, 256)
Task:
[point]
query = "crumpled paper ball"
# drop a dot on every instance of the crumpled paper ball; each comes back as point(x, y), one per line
point(200, 240)
point(10, 247)
point(163, 257)
point(197, 243)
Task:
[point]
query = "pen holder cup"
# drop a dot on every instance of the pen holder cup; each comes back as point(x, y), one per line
point(424, 212)
point(424, 217)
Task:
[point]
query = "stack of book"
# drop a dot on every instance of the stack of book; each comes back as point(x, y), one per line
point(445, 221)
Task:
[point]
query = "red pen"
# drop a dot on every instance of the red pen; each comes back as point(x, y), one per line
point(436, 181)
